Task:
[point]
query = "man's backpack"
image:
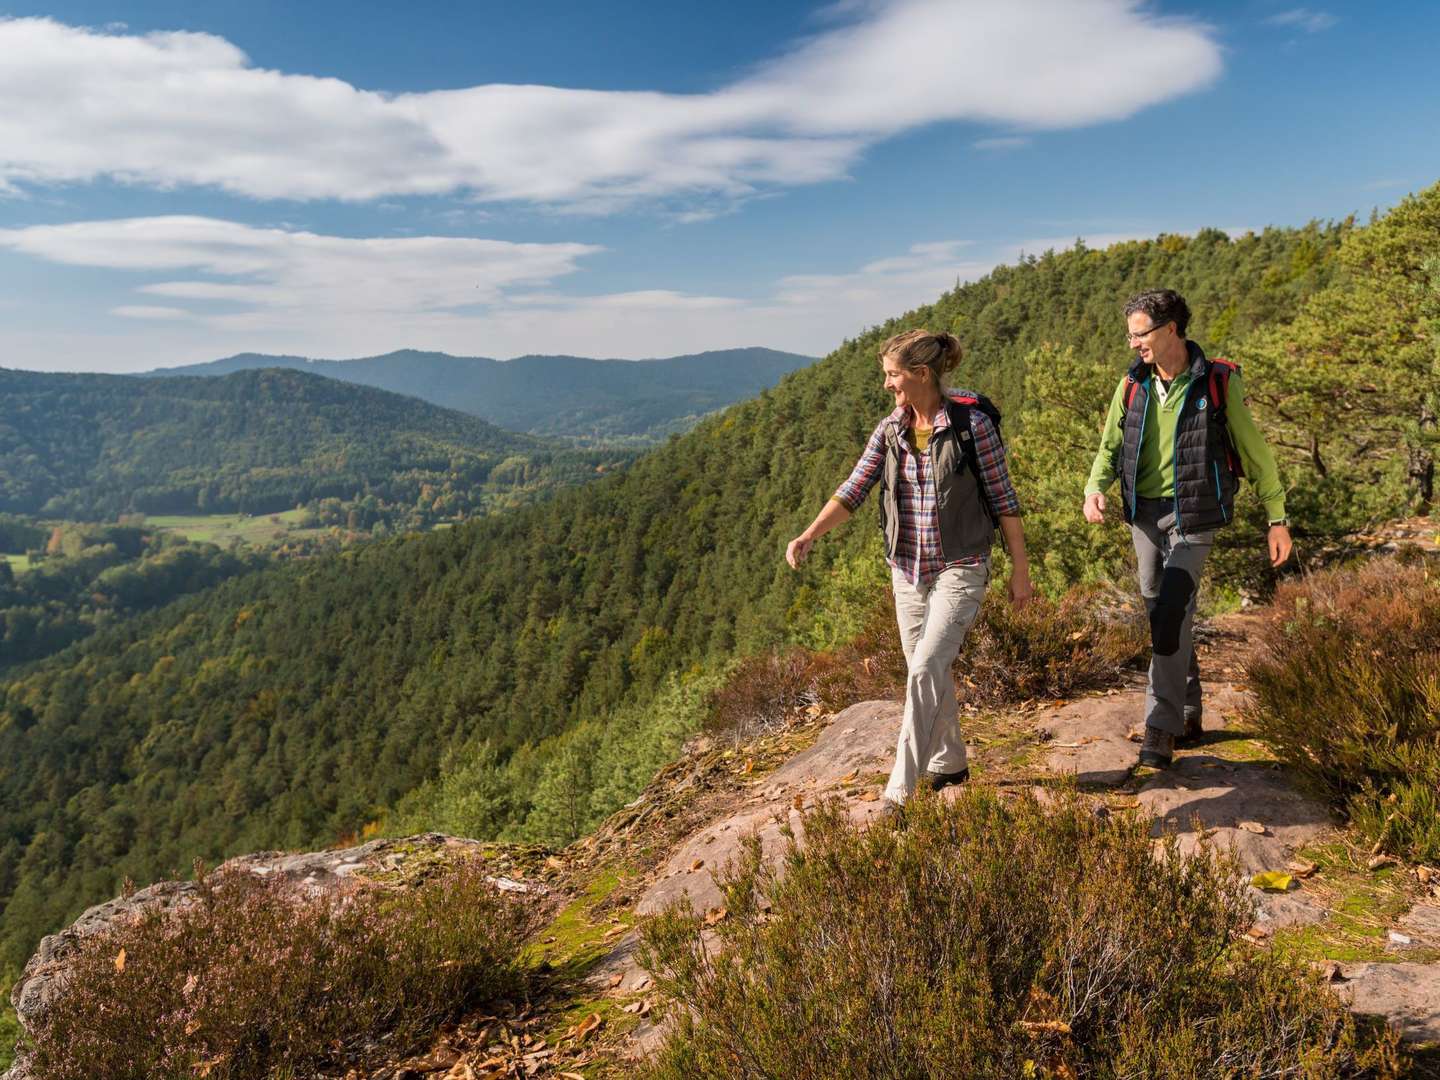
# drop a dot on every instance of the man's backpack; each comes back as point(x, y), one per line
point(1219, 389)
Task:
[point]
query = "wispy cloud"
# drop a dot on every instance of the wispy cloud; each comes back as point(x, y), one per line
point(1312, 22)
point(244, 278)
point(225, 286)
point(168, 109)
point(1003, 142)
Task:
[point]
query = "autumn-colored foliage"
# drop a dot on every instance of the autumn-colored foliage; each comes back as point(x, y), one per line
point(255, 981)
point(1347, 692)
point(988, 938)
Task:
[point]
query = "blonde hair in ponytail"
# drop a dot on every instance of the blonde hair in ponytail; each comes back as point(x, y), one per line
point(916, 349)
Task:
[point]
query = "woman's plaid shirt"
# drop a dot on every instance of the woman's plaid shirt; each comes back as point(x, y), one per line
point(917, 552)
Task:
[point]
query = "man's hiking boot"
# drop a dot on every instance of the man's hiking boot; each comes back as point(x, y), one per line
point(1158, 749)
point(1194, 730)
point(949, 779)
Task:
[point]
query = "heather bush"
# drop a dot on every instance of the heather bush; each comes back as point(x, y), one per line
point(992, 938)
point(1346, 677)
point(1048, 649)
point(253, 980)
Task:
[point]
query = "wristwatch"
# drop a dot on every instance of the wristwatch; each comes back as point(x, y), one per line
point(1280, 521)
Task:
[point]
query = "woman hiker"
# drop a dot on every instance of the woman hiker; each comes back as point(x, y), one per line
point(944, 488)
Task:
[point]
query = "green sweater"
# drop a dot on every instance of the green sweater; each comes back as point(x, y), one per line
point(1155, 477)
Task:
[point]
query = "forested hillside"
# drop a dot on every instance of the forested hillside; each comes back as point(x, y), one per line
point(589, 401)
point(90, 447)
point(524, 674)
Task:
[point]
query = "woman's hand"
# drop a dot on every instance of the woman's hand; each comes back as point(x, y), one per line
point(797, 550)
point(1021, 591)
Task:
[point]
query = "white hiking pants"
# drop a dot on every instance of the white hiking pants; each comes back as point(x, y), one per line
point(934, 620)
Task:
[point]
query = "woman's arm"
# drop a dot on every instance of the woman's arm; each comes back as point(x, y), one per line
point(845, 501)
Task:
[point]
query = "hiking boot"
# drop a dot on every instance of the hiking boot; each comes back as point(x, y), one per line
point(949, 779)
point(1194, 731)
point(1158, 749)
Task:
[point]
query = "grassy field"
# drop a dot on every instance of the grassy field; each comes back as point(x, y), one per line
point(18, 563)
point(257, 531)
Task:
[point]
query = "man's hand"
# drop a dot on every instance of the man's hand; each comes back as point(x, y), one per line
point(1280, 544)
point(797, 550)
point(1021, 591)
point(1095, 508)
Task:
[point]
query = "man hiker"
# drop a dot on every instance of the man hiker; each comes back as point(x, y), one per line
point(1179, 437)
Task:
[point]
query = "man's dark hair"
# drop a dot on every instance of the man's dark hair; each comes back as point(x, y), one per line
point(1162, 305)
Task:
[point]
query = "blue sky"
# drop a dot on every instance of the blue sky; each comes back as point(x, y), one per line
point(183, 181)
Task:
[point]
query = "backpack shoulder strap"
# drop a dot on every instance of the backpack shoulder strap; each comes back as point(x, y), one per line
point(1219, 387)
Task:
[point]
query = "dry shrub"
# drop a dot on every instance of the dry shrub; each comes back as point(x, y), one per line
point(253, 981)
point(993, 939)
point(1048, 649)
point(1346, 678)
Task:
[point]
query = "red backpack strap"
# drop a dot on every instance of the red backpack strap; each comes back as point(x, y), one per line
point(1132, 387)
point(1220, 372)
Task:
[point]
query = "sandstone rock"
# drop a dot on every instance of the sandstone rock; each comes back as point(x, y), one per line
point(1406, 994)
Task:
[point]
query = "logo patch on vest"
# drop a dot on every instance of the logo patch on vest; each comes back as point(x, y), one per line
point(1200, 404)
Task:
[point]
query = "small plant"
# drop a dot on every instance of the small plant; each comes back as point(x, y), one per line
point(254, 981)
point(1048, 649)
point(1347, 692)
point(992, 938)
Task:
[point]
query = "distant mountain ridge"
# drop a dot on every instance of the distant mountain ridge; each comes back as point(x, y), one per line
point(91, 446)
point(573, 396)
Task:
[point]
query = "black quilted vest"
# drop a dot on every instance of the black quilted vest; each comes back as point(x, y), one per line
point(966, 527)
point(1204, 483)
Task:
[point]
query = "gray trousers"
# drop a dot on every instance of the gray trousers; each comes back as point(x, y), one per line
point(1170, 568)
point(934, 620)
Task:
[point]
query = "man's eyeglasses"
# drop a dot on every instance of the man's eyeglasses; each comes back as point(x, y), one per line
point(1145, 333)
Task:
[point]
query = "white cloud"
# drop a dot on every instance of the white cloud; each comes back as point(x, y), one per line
point(169, 109)
point(232, 287)
point(1312, 22)
point(269, 279)
point(148, 311)
point(1004, 142)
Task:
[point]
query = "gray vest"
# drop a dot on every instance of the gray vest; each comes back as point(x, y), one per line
point(966, 527)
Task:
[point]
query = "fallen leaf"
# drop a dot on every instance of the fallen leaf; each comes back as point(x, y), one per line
point(617, 979)
point(460, 1071)
point(555, 863)
point(1379, 862)
point(715, 915)
point(799, 802)
point(1427, 874)
point(697, 864)
point(749, 766)
point(190, 984)
point(1077, 635)
point(851, 775)
point(572, 1076)
point(192, 1027)
point(588, 1026)
point(1251, 827)
point(1301, 868)
point(869, 796)
point(120, 960)
point(1258, 932)
point(1272, 881)
point(1329, 970)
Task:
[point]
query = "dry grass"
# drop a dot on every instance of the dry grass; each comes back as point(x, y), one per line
point(993, 938)
point(254, 981)
point(1347, 691)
